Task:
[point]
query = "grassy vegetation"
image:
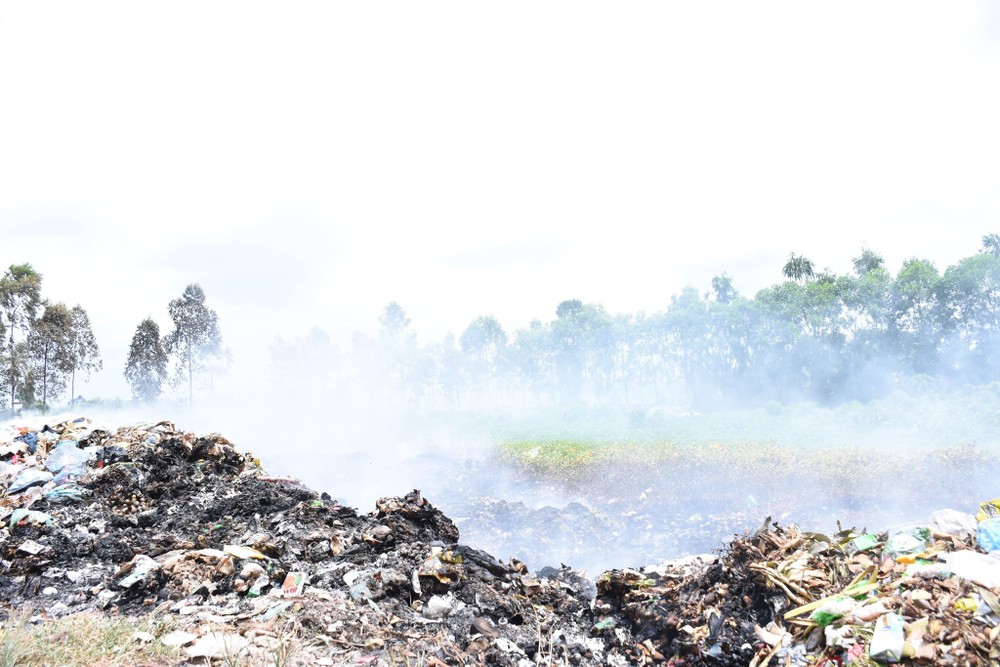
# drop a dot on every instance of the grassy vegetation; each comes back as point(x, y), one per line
point(83, 639)
point(959, 474)
point(903, 420)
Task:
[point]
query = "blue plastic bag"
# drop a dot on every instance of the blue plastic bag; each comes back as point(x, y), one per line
point(70, 473)
point(31, 438)
point(65, 454)
point(988, 534)
point(27, 478)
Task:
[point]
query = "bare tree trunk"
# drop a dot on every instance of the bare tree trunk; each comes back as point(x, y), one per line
point(45, 376)
point(13, 371)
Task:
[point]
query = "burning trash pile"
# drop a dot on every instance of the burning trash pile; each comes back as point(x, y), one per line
point(149, 521)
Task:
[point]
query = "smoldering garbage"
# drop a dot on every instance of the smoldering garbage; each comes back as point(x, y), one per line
point(152, 521)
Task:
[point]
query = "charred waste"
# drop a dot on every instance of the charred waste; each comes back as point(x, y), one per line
point(149, 520)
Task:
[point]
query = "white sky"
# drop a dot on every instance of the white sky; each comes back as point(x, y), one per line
point(307, 163)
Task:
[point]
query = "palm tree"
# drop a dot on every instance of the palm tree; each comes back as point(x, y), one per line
point(868, 261)
point(991, 244)
point(798, 268)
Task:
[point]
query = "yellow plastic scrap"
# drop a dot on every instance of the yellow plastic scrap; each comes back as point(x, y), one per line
point(243, 552)
point(966, 604)
point(988, 510)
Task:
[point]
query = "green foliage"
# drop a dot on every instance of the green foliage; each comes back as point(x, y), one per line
point(195, 341)
point(798, 268)
point(867, 261)
point(51, 351)
point(146, 367)
point(20, 299)
point(83, 354)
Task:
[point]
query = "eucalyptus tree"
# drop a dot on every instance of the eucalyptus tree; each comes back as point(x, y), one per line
point(146, 368)
point(20, 300)
point(84, 354)
point(396, 350)
point(533, 356)
point(196, 337)
point(917, 315)
point(582, 341)
point(567, 345)
point(484, 342)
point(50, 345)
point(451, 369)
point(686, 323)
point(307, 367)
point(970, 293)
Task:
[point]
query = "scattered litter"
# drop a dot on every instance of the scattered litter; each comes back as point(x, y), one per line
point(149, 520)
point(27, 478)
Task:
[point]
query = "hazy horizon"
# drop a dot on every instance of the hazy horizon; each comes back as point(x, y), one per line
point(307, 165)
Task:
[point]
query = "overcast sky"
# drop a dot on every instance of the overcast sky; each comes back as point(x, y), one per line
point(307, 163)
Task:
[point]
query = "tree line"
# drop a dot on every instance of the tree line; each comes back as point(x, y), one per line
point(195, 343)
point(43, 345)
point(814, 335)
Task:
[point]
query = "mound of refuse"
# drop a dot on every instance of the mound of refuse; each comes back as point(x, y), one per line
point(147, 520)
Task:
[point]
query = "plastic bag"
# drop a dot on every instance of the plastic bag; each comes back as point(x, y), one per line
point(953, 522)
point(832, 610)
point(70, 473)
point(65, 493)
point(988, 535)
point(65, 454)
point(27, 478)
point(907, 541)
point(974, 566)
point(30, 439)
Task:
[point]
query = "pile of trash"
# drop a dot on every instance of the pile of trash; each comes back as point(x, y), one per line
point(151, 521)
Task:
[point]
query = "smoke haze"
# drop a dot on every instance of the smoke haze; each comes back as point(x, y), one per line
point(309, 165)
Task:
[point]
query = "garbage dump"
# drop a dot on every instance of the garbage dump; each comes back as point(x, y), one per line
point(151, 521)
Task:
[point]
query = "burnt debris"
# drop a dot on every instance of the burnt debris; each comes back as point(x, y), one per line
point(149, 520)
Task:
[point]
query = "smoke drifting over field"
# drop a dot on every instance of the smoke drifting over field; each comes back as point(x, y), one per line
point(646, 483)
point(600, 440)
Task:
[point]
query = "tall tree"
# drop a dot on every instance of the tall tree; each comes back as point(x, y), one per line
point(723, 288)
point(395, 323)
point(306, 368)
point(397, 349)
point(917, 315)
point(867, 261)
point(195, 336)
point(20, 299)
point(84, 355)
point(51, 351)
point(484, 340)
point(971, 300)
point(534, 358)
point(582, 338)
point(991, 244)
point(146, 368)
